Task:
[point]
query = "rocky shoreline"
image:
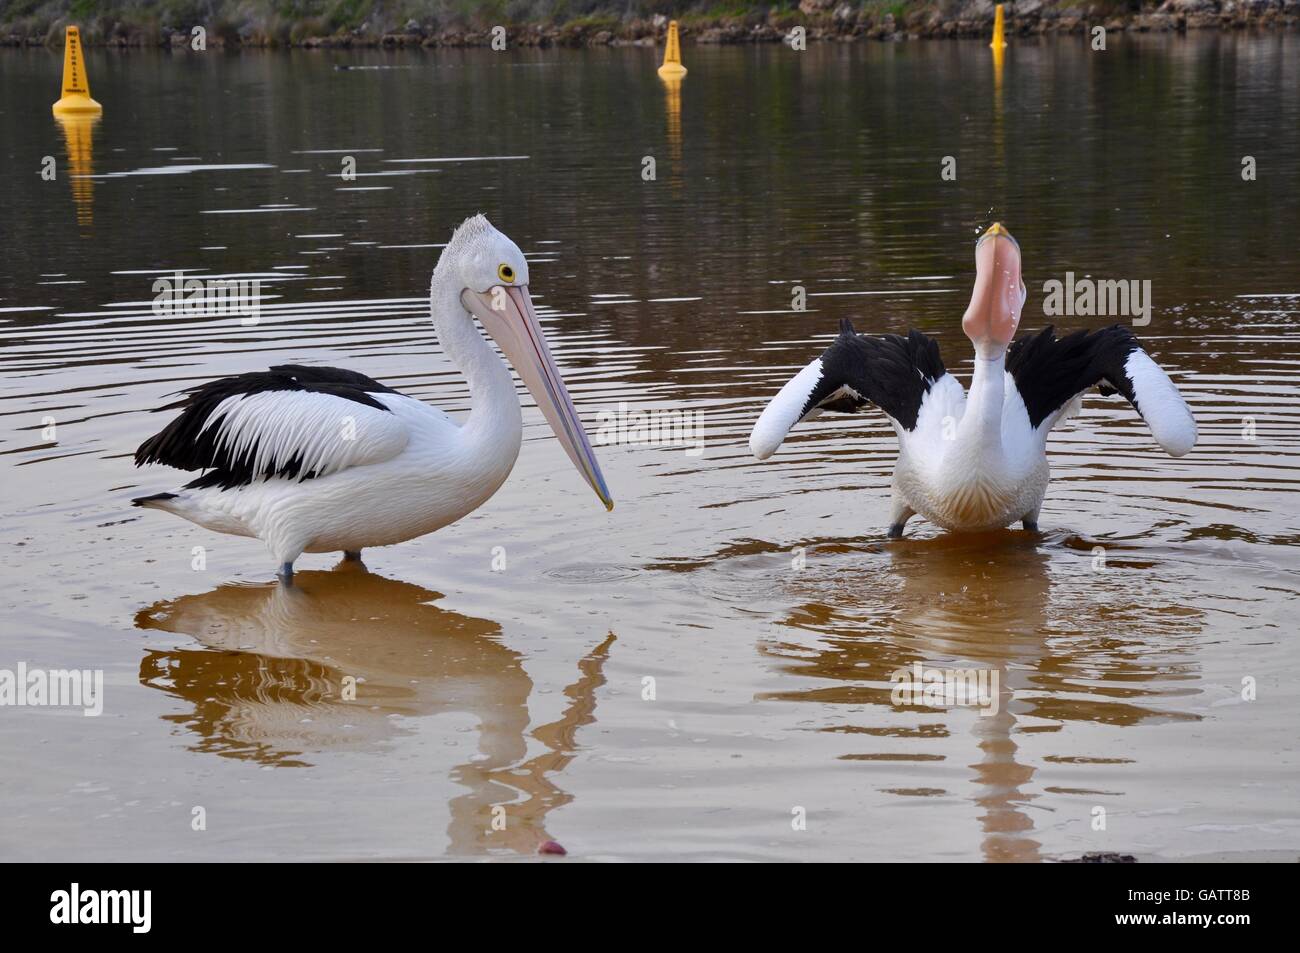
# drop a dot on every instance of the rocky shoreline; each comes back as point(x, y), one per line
point(822, 21)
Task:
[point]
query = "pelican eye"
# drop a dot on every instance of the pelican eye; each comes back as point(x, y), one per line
point(506, 273)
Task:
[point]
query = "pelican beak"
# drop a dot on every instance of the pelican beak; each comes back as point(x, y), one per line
point(999, 294)
point(507, 314)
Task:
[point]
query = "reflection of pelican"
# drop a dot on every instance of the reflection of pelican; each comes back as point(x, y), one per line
point(982, 600)
point(491, 780)
point(988, 609)
point(79, 138)
point(979, 463)
point(276, 690)
point(318, 459)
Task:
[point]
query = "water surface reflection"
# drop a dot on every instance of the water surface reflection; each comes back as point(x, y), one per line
point(988, 602)
point(271, 684)
point(819, 169)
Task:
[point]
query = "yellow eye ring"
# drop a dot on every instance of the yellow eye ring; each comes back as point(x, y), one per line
point(506, 273)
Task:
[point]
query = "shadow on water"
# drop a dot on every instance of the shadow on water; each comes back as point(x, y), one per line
point(269, 686)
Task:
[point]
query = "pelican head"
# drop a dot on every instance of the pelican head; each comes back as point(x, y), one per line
point(993, 315)
point(492, 275)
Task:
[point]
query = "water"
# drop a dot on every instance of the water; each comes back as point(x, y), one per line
point(525, 689)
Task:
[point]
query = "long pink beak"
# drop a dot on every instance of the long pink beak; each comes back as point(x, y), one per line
point(993, 315)
point(507, 314)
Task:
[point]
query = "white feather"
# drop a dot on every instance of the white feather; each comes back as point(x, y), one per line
point(785, 410)
point(327, 433)
point(1162, 407)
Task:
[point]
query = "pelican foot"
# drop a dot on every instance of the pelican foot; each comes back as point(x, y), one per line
point(1030, 525)
point(896, 531)
point(286, 573)
point(352, 555)
point(351, 562)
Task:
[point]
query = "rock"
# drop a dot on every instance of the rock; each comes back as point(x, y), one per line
point(1160, 22)
point(723, 35)
point(1188, 6)
point(1103, 858)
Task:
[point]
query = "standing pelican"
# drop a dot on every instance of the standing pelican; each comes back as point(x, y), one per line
point(318, 459)
point(978, 462)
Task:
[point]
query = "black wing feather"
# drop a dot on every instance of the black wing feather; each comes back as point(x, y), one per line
point(184, 444)
point(889, 370)
point(1050, 372)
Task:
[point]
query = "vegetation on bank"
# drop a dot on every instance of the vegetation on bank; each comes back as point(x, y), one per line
point(586, 22)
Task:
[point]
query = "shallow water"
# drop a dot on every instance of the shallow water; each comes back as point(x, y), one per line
point(761, 598)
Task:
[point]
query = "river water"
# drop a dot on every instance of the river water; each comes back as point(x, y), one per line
point(705, 672)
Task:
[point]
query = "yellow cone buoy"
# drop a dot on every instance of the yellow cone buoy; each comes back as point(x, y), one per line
point(672, 54)
point(999, 40)
point(76, 87)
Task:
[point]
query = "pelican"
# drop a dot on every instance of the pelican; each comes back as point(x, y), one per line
point(319, 459)
point(979, 461)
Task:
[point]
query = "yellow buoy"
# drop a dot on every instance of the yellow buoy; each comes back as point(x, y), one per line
point(999, 39)
point(76, 87)
point(672, 54)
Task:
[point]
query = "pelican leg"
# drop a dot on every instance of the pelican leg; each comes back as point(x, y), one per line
point(898, 516)
point(1030, 525)
point(285, 573)
point(352, 555)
